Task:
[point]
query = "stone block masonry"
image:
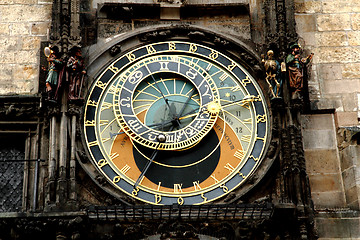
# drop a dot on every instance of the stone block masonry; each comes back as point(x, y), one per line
point(23, 25)
point(332, 32)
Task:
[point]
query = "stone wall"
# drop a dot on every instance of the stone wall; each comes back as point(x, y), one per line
point(23, 25)
point(331, 29)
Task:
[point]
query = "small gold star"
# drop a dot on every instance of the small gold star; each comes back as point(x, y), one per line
point(227, 94)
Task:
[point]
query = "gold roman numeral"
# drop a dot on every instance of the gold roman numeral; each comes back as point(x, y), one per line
point(197, 185)
point(239, 154)
point(229, 167)
point(178, 188)
point(246, 138)
point(223, 76)
point(125, 169)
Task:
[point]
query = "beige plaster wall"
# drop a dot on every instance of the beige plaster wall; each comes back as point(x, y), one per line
point(23, 25)
point(331, 29)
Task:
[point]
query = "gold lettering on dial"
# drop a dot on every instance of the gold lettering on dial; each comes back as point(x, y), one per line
point(157, 198)
point(92, 103)
point(164, 65)
point(224, 188)
point(150, 49)
point(172, 46)
point(178, 188)
point(89, 123)
point(93, 143)
point(213, 177)
point(229, 167)
point(125, 169)
point(180, 201)
point(114, 69)
point(223, 76)
point(231, 66)
point(131, 57)
point(197, 185)
point(213, 55)
point(239, 154)
point(246, 138)
point(116, 179)
point(114, 155)
point(203, 197)
point(102, 162)
point(192, 48)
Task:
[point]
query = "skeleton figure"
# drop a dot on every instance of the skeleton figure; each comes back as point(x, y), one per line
point(273, 74)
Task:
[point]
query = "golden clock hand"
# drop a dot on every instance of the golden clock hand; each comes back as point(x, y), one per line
point(241, 101)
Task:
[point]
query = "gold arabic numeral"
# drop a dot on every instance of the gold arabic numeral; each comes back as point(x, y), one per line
point(192, 48)
point(246, 138)
point(106, 105)
point(213, 55)
point(197, 185)
point(150, 49)
point(213, 177)
point(114, 90)
point(89, 123)
point(114, 69)
point(178, 188)
point(223, 76)
point(203, 197)
point(135, 191)
point(116, 179)
point(180, 201)
point(93, 143)
point(103, 122)
point(229, 167)
point(247, 121)
point(260, 118)
point(114, 155)
point(246, 81)
point(102, 162)
point(92, 103)
point(125, 169)
point(131, 57)
point(100, 84)
point(242, 175)
point(231, 66)
point(239, 154)
point(157, 198)
point(235, 88)
point(172, 46)
point(224, 188)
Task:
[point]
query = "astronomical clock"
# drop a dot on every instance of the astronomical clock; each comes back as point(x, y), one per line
point(175, 122)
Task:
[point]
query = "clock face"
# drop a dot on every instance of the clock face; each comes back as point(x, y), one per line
point(176, 122)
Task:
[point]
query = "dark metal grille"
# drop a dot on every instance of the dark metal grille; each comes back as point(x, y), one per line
point(11, 179)
point(209, 212)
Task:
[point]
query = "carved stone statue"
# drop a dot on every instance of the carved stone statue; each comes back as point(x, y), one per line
point(295, 66)
point(273, 74)
point(75, 73)
point(55, 66)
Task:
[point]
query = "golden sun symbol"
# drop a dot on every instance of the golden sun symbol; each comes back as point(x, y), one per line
point(214, 107)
